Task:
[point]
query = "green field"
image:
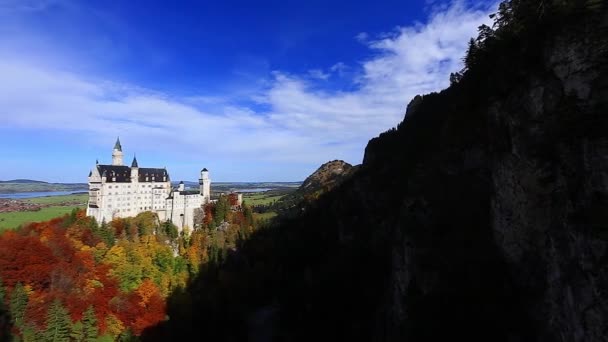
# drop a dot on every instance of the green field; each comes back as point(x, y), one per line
point(13, 219)
point(260, 198)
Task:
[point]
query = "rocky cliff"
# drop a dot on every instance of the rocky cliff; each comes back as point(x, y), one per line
point(503, 213)
point(482, 216)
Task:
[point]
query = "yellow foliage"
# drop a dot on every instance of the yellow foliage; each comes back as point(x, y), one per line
point(114, 326)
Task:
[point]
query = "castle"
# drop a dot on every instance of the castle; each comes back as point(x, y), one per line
point(117, 190)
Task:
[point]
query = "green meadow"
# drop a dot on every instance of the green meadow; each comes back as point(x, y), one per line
point(260, 198)
point(14, 219)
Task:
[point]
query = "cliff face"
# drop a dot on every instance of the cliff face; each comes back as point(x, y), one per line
point(504, 212)
point(482, 216)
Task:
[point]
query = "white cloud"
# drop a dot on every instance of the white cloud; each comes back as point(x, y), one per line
point(300, 121)
point(362, 37)
point(339, 68)
point(318, 74)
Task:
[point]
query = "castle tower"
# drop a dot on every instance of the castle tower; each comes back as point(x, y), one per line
point(205, 185)
point(117, 153)
point(134, 171)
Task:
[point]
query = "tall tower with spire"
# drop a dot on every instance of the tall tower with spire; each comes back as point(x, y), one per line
point(205, 185)
point(117, 153)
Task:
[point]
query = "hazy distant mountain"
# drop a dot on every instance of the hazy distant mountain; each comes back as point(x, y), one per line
point(23, 181)
point(29, 185)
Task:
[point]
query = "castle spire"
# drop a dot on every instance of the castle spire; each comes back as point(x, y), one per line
point(117, 153)
point(117, 145)
point(134, 163)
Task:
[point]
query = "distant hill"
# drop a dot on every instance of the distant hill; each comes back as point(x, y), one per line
point(325, 178)
point(22, 181)
point(28, 185)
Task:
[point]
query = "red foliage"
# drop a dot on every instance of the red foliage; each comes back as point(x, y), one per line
point(208, 208)
point(233, 199)
point(44, 257)
point(120, 227)
point(25, 259)
point(37, 307)
point(143, 307)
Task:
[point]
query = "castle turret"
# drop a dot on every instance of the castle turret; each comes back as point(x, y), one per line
point(117, 153)
point(205, 185)
point(134, 170)
point(181, 186)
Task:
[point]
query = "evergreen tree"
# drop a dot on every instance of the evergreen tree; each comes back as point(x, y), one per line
point(2, 292)
point(170, 230)
point(31, 334)
point(90, 325)
point(470, 58)
point(18, 304)
point(4, 315)
point(106, 234)
point(58, 323)
point(77, 333)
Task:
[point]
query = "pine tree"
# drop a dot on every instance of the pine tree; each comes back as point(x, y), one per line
point(106, 234)
point(90, 325)
point(2, 292)
point(4, 315)
point(57, 323)
point(77, 333)
point(17, 304)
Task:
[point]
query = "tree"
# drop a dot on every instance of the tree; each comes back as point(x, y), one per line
point(170, 230)
point(105, 233)
point(455, 77)
point(2, 293)
point(4, 315)
point(89, 322)
point(470, 59)
point(57, 323)
point(77, 333)
point(18, 304)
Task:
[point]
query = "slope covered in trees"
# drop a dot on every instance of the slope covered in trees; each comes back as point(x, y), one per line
point(70, 279)
point(480, 217)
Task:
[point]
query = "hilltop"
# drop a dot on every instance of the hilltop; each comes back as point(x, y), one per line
point(22, 181)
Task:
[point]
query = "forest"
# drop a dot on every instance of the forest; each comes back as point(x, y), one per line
point(71, 279)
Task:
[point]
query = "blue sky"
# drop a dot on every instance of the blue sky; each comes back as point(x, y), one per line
point(252, 90)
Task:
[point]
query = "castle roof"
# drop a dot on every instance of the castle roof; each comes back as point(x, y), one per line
point(122, 174)
point(117, 145)
point(204, 170)
point(115, 173)
point(134, 163)
point(153, 174)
